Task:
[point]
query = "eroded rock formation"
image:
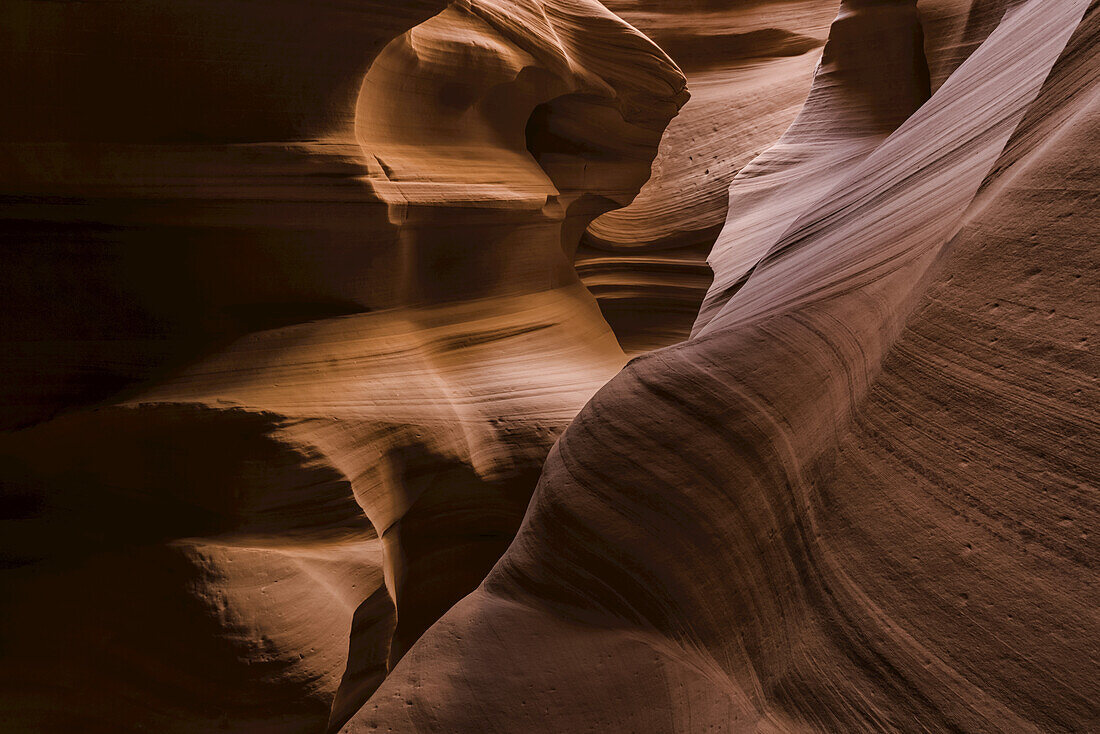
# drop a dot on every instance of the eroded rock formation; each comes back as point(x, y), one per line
point(292, 322)
point(853, 513)
point(749, 67)
point(366, 329)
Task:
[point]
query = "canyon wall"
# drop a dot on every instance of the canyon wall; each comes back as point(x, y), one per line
point(444, 366)
point(290, 325)
point(860, 497)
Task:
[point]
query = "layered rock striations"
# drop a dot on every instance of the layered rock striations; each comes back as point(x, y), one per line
point(862, 92)
point(749, 67)
point(857, 499)
point(293, 324)
point(293, 327)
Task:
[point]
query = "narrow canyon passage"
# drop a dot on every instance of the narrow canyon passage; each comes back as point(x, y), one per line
point(550, 366)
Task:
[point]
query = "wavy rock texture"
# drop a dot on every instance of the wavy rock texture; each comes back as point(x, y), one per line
point(749, 67)
point(316, 274)
point(180, 176)
point(295, 192)
point(862, 92)
point(292, 323)
point(860, 498)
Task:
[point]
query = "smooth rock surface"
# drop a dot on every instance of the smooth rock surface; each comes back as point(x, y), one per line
point(328, 405)
point(290, 327)
point(749, 68)
point(852, 513)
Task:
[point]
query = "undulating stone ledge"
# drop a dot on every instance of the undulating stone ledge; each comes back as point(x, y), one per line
point(319, 329)
point(858, 498)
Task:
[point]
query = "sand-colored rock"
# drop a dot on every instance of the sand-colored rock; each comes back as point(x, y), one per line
point(862, 92)
point(337, 343)
point(293, 326)
point(863, 503)
point(314, 223)
point(299, 484)
point(749, 68)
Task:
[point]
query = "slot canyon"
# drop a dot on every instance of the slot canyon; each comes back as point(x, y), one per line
point(470, 366)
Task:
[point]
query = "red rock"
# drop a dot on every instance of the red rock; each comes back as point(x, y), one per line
point(294, 326)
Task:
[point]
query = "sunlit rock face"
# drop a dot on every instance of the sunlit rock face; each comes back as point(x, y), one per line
point(291, 324)
point(858, 498)
point(749, 67)
point(285, 173)
point(329, 400)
